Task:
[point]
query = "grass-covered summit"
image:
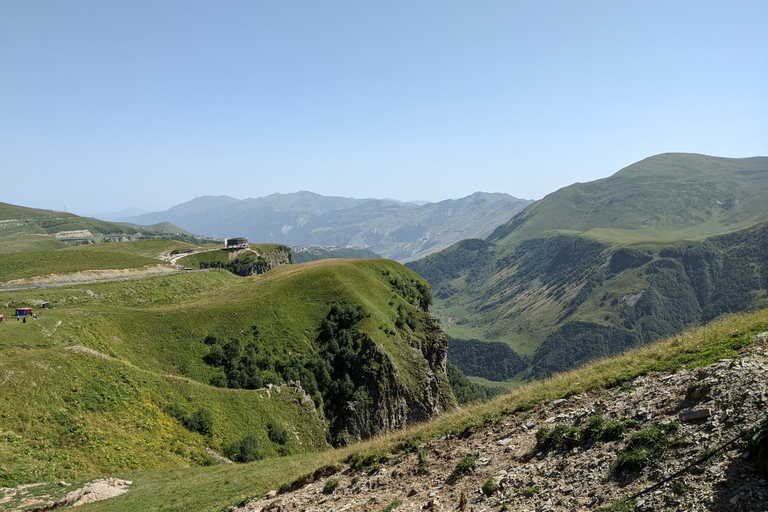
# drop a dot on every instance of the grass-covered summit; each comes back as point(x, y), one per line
point(664, 198)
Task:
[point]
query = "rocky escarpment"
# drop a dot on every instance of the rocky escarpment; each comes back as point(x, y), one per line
point(259, 259)
point(697, 412)
point(394, 391)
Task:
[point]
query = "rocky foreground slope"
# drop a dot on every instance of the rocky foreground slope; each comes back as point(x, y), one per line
point(514, 472)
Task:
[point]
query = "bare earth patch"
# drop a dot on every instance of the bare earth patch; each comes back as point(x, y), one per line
point(23, 498)
point(90, 275)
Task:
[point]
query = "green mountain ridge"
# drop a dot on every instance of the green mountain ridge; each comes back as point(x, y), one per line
point(594, 268)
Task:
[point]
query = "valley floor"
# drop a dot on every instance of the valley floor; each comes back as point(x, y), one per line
point(528, 479)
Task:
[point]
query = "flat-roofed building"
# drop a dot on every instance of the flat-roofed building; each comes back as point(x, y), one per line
point(235, 243)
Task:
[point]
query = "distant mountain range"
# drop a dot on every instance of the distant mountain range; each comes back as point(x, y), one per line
point(392, 229)
point(593, 268)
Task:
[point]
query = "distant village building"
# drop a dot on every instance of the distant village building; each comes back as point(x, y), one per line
point(235, 243)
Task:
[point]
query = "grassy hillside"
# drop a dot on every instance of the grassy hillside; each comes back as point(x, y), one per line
point(593, 268)
point(306, 254)
point(33, 230)
point(666, 197)
point(219, 487)
point(122, 375)
point(29, 243)
point(112, 256)
point(160, 227)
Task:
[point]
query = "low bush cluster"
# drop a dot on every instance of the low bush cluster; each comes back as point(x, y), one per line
point(757, 443)
point(244, 450)
point(568, 437)
point(645, 447)
point(465, 466)
point(201, 421)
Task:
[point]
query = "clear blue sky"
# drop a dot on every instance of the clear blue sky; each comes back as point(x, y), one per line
point(106, 105)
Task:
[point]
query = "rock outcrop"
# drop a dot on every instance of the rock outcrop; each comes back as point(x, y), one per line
point(394, 391)
point(263, 258)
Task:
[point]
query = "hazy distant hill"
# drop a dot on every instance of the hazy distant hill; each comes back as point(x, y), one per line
point(593, 268)
point(400, 231)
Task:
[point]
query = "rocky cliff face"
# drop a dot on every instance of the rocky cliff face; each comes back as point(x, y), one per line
point(394, 391)
point(260, 259)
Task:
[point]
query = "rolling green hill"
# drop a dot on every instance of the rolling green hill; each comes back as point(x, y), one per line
point(32, 230)
point(597, 267)
point(150, 373)
point(664, 198)
point(305, 254)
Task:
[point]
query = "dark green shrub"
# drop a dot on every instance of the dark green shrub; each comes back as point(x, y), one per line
point(560, 436)
point(219, 380)
point(490, 487)
point(465, 466)
point(330, 485)
point(174, 410)
point(201, 421)
point(593, 431)
point(757, 443)
point(643, 448)
point(277, 434)
point(614, 430)
point(244, 450)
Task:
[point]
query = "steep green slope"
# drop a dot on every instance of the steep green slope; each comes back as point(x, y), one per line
point(218, 488)
point(594, 268)
point(122, 375)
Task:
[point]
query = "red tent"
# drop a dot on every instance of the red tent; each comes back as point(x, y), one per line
point(23, 311)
